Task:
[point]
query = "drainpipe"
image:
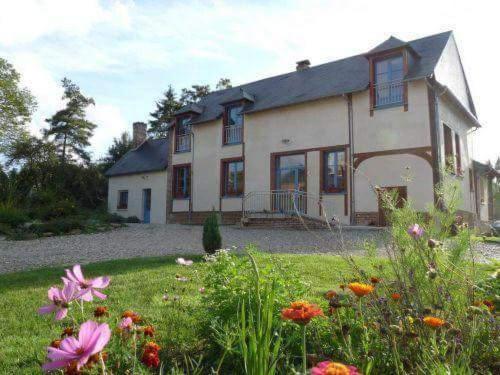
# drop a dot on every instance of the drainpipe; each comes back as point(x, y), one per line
point(350, 125)
point(190, 212)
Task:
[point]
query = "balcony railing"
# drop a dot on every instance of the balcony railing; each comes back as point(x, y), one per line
point(183, 142)
point(388, 93)
point(233, 134)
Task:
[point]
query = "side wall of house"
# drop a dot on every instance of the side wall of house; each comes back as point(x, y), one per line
point(134, 184)
point(392, 148)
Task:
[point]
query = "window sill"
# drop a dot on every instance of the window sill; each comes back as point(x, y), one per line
point(181, 198)
point(182, 152)
point(332, 193)
point(232, 144)
point(385, 106)
point(232, 196)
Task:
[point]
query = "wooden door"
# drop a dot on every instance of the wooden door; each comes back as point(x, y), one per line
point(402, 196)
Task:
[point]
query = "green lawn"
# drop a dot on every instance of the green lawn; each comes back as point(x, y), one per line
point(138, 284)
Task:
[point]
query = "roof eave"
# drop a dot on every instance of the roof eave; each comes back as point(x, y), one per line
point(137, 172)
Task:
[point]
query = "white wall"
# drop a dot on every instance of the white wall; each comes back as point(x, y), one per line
point(156, 181)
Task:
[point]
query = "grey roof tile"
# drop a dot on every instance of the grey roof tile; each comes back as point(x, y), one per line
point(151, 156)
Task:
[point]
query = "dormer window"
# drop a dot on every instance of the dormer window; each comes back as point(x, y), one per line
point(183, 134)
point(233, 124)
point(388, 81)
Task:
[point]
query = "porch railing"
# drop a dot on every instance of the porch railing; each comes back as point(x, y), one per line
point(233, 134)
point(282, 203)
point(183, 142)
point(388, 93)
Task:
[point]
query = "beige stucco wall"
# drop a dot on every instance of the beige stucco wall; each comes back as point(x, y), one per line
point(156, 181)
point(392, 128)
point(393, 170)
point(483, 198)
point(456, 121)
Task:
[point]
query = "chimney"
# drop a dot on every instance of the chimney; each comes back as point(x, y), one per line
point(303, 65)
point(139, 133)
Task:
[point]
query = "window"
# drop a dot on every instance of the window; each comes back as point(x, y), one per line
point(183, 134)
point(182, 181)
point(388, 81)
point(233, 124)
point(122, 200)
point(458, 156)
point(233, 178)
point(334, 172)
point(448, 148)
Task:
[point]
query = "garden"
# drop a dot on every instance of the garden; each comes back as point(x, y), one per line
point(426, 307)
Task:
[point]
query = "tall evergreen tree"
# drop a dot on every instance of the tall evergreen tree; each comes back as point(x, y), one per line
point(165, 109)
point(16, 105)
point(195, 93)
point(224, 83)
point(116, 151)
point(69, 127)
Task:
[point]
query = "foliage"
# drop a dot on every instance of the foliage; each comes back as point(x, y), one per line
point(194, 93)
point(164, 113)
point(12, 216)
point(224, 83)
point(212, 239)
point(116, 151)
point(16, 105)
point(69, 127)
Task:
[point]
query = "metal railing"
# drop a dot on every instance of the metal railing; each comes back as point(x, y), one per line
point(282, 203)
point(183, 142)
point(233, 134)
point(388, 93)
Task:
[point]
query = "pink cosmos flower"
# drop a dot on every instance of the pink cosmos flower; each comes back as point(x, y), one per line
point(60, 300)
point(126, 323)
point(329, 367)
point(416, 231)
point(184, 262)
point(87, 286)
point(92, 338)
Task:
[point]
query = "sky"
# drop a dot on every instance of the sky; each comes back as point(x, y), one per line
point(126, 53)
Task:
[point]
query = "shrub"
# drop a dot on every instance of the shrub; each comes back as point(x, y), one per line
point(58, 226)
point(12, 216)
point(115, 218)
point(132, 219)
point(211, 235)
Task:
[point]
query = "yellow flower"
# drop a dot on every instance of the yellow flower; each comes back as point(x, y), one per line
point(433, 322)
point(361, 289)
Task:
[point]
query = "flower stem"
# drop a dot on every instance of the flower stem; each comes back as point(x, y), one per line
point(103, 366)
point(304, 351)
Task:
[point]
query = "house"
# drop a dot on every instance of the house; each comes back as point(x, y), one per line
point(316, 141)
point(482, 185)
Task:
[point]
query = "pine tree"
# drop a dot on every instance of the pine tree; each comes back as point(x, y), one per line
point(195, 93)
point(69, 127)
point(212, 239)
point(224, 83)
point(165, 109)
point(117, 150)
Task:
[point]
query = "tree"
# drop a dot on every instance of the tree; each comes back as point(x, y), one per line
point(211, 235)
point(16, 105)
point(195, 93)
point(116, 151)
point(164, 113)
point(69, 127)
point(224, 83)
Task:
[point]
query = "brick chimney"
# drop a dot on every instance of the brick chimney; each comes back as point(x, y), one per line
point(139, 133)
point(303, 65)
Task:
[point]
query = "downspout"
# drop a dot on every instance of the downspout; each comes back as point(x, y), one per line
point(191, 184)
point(472, 176)
point(350, 125)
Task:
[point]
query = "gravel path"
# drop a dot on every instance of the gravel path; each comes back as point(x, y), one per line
point(154, 240)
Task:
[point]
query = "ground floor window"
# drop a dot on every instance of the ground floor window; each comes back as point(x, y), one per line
point(182, 181)
point(122, 200)
point(233, 172)
point(334, 171)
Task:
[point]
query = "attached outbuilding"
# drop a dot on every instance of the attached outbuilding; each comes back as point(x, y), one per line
point(138, 181)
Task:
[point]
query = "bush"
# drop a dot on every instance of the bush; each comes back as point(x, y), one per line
point(115, 218)
point(211, 235)
point(12, 216)
point(132, 219)
point(58, 226)
point(55, 209)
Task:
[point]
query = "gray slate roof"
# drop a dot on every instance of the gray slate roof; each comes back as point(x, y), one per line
point(151, 156)
point(331, 79)
point(389, 44)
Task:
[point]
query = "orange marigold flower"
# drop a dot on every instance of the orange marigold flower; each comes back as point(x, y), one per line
point(330, 294)
point(101, 311)
point(433, 322)
point(375, 280)
point(136, 318)
point(396, 296)
point(150, 359)
point(333, 368)
point(361, 289)
point(152, 347)
point(301, 312)
point(149, 331)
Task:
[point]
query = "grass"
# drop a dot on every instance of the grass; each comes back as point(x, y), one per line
point(494, 240)
point(137, 284)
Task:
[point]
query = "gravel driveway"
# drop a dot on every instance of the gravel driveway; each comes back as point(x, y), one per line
point(173, 239)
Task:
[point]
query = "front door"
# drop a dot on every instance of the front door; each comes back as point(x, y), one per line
point(402, 196)
point(290, 181)
point(146, 198)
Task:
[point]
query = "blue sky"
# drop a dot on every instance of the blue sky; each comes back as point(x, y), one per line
point(126, 53)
